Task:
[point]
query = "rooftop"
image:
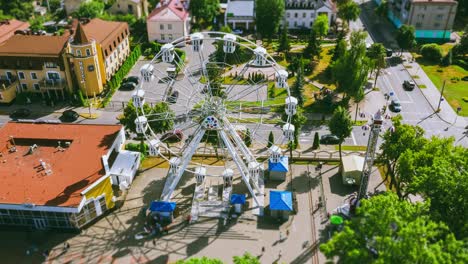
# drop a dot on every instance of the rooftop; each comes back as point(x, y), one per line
point(33, 45)
point(281, 200)
point(241, 8)
point(8, 28)
point(169, 10)
point(104, 32)
point(42, 173)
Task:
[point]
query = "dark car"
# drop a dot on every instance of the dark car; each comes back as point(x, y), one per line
point(69, 116)
point(173, 137)
point(20, 113)
point(389, 52)
point(173, 97)
point(409, 85)
point(395, 106)
point(128, 86)
point(133, 79)
point(329, 139)
point(465, 78)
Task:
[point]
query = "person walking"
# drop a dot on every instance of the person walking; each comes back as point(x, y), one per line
point(279, 254)
point(66, 246)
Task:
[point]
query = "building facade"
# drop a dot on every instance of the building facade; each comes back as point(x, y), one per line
point(168, 21)
point(57, 66)
point(72, 5)
point(57, 175)
point(432, 19)
point(240, 14)
point(302, 13)
point(138, 8)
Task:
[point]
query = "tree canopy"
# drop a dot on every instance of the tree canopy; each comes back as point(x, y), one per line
point(388, 230)
point(405, 37)
point(377, 55)
point(313, 45)
point(297, 89)
point(158, 122)
point(17, 8)
point(283, 44)
point(90, 9)
point(340, 125)
point(349, 11)
point(205, 10)
point(320, 26)
point(269, 14)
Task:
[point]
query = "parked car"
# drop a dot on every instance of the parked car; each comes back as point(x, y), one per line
point(69, 116)
point(20, 113)
point(389, 52)
point(409, 85)
point(395, 106)
point(465, 78)
point(238, 31)
point(133, 79)
point(128, 86)
point(173, 137)
point(329, 139)
point(173, 97)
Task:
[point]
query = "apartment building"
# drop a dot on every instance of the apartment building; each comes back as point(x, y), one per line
point(432, 19)
point(56, 66)
point(302, 13)
point(168, 21)
point(138, 8)
point(240, 14)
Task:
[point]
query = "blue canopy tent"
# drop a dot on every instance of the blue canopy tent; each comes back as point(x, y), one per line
point(238, 200)
point(281, 203)
point(162, 209)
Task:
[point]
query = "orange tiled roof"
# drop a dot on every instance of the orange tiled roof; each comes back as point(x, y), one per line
point(24, 180)
point(8, 28)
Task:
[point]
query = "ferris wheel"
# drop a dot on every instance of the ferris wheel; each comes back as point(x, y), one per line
point(226, 89)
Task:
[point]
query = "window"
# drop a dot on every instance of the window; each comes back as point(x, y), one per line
point(311, 23)
point(288, 15)
point(418, 25)
point(105, 52)
point(122, 35)
point(33, 76)
point(440, 16)
point(126, 32)
point(295, 15)
point(436, 25)
point(24, 86)
point(118, 39)
point(78, 53)
point(88, 52)
point(36, 87)
point(163, 37)
point(161, 26)
point(304, 15)
point(21, 75)
point(295, 23)
point(130, 9)
point(115, 44)
point(170, 37)
point(311, 15)
point(9, 75)
point(169, 26)
point(53, 76)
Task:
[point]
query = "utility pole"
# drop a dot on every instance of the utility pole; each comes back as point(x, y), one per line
point(440, 99)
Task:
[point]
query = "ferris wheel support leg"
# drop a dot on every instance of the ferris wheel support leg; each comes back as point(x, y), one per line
point(173, 179)
point(258, 203)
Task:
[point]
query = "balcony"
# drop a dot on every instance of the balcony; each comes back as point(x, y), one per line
point(7, 80)
point(57, 84)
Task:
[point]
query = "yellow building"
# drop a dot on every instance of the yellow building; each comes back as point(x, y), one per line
point(57, 66)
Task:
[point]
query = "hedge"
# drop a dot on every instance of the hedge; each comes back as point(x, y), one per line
point(116, 80)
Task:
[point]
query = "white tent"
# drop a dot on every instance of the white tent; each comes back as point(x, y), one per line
point(351, 169)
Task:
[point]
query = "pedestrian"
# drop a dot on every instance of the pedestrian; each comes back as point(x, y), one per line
point(263, 250)
point(279, 254)
point(280, 236)
point(154, 242)
point(66, 246)
point(46, 253)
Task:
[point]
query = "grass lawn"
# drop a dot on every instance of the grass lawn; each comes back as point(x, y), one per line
point(455, 89)
point(319, 74)
point(352, 148)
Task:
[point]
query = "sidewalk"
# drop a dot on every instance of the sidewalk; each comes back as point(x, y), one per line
point(432, 94)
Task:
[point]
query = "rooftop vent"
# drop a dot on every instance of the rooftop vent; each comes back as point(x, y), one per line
point(32, 148)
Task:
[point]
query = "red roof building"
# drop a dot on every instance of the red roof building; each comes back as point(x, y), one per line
point(168, 21)
point(8, 28)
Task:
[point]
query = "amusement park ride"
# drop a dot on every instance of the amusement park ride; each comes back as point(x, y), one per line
point(207, 108)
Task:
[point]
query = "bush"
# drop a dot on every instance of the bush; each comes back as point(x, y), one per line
point(465, 99)
point(137, 147)
point(431, 52)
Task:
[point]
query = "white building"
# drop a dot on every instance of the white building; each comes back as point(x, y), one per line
point(302, 13)
point(168, 21)
point(240, 14)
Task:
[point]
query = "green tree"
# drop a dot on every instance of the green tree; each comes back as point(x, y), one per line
point(19, 9)
point(162, 117)
point(377, 55)
point(297, 90)
point(405, 37)
point(382, 9)
point(54, 5)
point(340, 49)
point(248, 138)
point(340, 125)
point(204, 10)
point(316, 143)
point(269, 14)
point(226, 29)
point(37, 23)
point(357, 98)
point(320, 26)
point(431, 52)
point(247, 258)
point(284, 40)
point(437, 171)
point(349, 11)
point(388, 230)
point(90, 9)
point(271, 139)
point(298, 120)
point(313, 45)
point(401, 138)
